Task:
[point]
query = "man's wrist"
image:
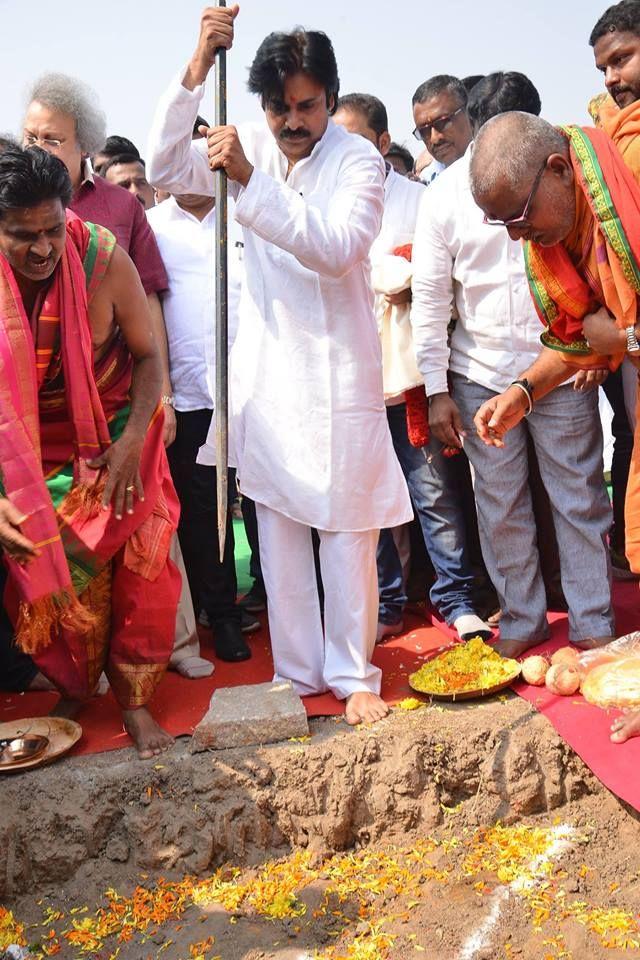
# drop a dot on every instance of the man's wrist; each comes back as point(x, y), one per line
point(244, 179)
point(134, 433)
point(437, 396)
point(525, 393)
point(196, 72)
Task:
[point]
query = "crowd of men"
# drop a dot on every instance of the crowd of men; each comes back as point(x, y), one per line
point(417, 354)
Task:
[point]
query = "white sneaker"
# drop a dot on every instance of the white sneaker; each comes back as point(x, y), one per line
point(386, 630)
point(469, 625)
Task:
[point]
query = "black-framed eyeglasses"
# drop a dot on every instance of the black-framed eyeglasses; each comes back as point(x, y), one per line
point(522, 219)
point(439, 125)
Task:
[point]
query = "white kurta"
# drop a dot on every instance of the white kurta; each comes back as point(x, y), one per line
point(308, 427)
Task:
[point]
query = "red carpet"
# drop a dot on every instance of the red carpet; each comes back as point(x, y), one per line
point(179, 704)
point(585, 727)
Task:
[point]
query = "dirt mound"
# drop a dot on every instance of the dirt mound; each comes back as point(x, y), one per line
point(92, 821)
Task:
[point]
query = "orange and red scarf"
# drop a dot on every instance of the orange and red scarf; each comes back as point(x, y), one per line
point(599, 263)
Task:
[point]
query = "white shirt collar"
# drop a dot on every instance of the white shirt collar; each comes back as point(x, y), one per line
point(86, 171)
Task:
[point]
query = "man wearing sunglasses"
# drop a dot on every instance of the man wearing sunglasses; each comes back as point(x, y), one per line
point(458, 257)
point(439, 112)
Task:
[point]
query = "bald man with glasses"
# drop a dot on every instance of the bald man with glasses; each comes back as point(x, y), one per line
point(464, 256)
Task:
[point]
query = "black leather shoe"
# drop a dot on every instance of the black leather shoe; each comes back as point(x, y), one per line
point(255, 601)
point(249, 623)
point(229, 643)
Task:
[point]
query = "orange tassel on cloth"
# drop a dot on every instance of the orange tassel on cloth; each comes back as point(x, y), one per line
point(38, 621)
point(83, 498)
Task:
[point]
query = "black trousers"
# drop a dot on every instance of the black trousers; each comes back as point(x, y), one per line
point(17, 670)
point(251, 529)
point(621, 460)
point(213, 584)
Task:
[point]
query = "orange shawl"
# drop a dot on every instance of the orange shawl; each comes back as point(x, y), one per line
point(599, 262)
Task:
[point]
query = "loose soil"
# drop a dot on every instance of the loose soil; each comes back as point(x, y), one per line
point(408, 800)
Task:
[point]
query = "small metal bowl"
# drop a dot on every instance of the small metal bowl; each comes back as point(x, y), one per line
point(23, 748)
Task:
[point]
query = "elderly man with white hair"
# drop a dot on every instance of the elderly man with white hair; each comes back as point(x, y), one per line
point(62, 118)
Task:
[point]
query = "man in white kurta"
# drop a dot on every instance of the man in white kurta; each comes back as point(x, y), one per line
point(433, 480)
point(308, 425)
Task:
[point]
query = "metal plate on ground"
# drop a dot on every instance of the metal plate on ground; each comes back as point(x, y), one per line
point(62, 735)
point(21, 749)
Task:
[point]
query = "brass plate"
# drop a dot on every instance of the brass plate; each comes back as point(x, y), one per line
point(22, 749)
point(61, 733)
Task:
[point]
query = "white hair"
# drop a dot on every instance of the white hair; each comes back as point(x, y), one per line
point(509, 149)
point(57, 91)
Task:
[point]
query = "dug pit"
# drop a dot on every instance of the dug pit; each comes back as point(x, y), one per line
point(411, 794)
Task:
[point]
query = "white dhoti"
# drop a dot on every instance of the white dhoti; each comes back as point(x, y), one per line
point(338, 656)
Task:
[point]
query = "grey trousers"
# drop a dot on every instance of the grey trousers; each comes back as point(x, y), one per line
point(566, 432)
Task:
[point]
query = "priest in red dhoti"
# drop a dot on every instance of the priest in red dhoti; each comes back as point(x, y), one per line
point(87, 508)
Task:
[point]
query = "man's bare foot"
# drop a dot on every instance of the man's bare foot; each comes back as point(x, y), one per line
point(40, 682)
point(515, 648)
point(67, 708)
point(592, 643)
point(149, 737)
point(626, 727)
point(365, 707)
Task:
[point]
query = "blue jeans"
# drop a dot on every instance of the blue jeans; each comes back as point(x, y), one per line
point(565, 429)
point(434, 484)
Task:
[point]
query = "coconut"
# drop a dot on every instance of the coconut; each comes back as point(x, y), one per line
point(566, 655)
point(534, 670)
point(562, 680)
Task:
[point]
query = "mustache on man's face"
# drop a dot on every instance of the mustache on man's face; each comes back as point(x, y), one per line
point(301, 134)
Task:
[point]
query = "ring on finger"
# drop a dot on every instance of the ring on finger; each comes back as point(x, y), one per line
point(131, 488)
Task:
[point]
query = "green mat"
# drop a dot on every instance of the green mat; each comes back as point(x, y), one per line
point(243, 555)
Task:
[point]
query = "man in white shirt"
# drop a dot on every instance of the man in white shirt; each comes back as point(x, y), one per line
point(439, 110)
point(432, 486)
point(184, 227)
point(308, 426)
point(458, 258)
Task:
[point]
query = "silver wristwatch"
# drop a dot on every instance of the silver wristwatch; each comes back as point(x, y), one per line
point(633, 345)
